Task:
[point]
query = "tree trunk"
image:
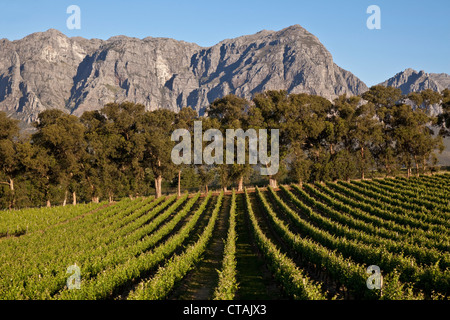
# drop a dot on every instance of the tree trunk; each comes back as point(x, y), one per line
point(179, 183)
point(94, 198)
point(110, 197)
point(158, 181)
point(65, 198)
point(409, 172)
point(273, 182)
point(158, 190)
point(241, 184)
point(417, 166)
point(13, 195)
point(388, 170)
point(362, 164)
point(74, 197)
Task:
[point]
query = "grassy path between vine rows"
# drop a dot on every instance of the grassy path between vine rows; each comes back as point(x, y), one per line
point(255, 281)
point(199, 283)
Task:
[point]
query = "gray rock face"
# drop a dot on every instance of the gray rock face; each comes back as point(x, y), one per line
point(49, 70)
point(412, 81)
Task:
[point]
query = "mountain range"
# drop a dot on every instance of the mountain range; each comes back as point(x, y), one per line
point(50, 70)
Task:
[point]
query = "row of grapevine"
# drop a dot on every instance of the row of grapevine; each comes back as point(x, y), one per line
point(141, 248)
point(391, 229)
point(355, 218)
point(353, 243)
point(402, 221)
point(227, 286)
point(412, 241)
point(19, 222)
point(404, 196)
point(424, 278)
point(379, 207)
point(176, 268)
point(412, 189)
point(412, 205)
point(292, 279)
point(113, 278)
point(35, 258)
point(336, 265)
point(441, 181)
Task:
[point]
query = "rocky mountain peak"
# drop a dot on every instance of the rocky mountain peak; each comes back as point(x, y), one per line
point(411, 80)
point(50, 70)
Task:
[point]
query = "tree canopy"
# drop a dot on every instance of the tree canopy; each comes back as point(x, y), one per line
point(125, 150)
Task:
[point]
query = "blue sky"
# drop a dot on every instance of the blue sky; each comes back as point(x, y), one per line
point(414, 34)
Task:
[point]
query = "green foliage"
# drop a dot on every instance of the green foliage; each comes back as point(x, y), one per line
point(141, 248)
point(227, 286)
point(123, 150)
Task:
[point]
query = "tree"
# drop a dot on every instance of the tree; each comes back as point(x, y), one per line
point(307, 127)
point(365, 131)
point(339, 134)
point(297, 117)
point(341, 115)
point(344, 165)
point(62, 136)
point(386, 152)
point(383, 97)
point(39, 167)
point(157, 146)
point(430, 97)
point(426, 143)
point(206, 174)
point(9, 159)
point(101, 171)
point(123, 152)
point(444, 118)
point(232, 113)
point(184, 119)
point(300, 166)
point(414, 139)
point(268, 112)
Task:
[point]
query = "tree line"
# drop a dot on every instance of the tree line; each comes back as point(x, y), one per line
point(124, 150)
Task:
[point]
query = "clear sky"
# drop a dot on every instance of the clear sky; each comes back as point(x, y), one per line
point(414, 34)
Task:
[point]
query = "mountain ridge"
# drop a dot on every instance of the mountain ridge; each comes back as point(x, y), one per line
point(50, 70)
point(410, 80)
point(47, 70)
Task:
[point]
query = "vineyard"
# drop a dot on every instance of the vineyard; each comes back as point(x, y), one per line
point(312, 242)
